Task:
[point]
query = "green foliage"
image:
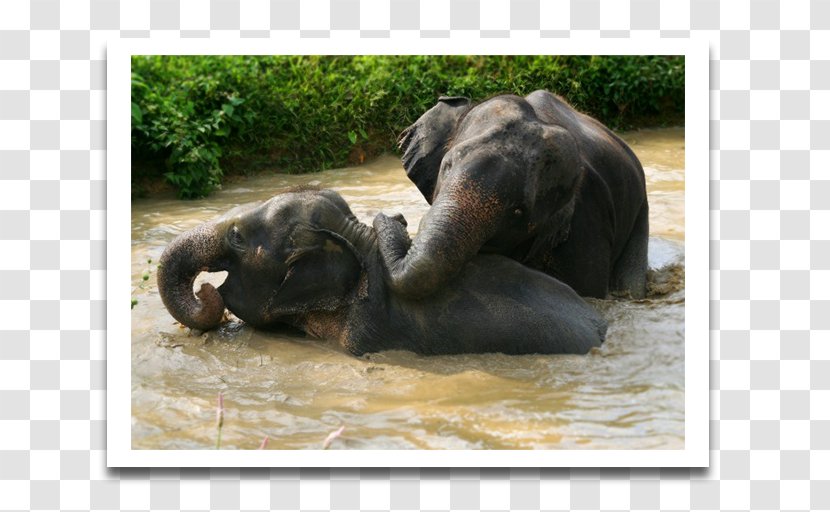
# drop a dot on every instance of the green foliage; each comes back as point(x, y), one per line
point(198, 114)
point(186, 122)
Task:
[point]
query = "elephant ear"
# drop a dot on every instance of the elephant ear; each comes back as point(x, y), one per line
point(424, 143)
point(323, 272)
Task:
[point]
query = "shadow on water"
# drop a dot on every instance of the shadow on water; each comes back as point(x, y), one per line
point(628, 393)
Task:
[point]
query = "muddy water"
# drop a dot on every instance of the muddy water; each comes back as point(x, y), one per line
point(627, 394)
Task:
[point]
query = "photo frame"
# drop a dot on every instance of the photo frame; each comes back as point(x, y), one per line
point(695, 453)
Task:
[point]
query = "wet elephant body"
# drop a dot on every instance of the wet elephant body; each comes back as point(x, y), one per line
point(529, 178)
point(494, 305)
point(303, 259)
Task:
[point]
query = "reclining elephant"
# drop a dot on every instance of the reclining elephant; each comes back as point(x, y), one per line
point(302, 258)
point(529, 178)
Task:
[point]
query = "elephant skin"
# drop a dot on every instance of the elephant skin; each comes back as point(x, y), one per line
point(528, 178)
point(303, 259)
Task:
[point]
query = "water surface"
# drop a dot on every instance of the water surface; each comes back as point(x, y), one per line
point(627, 394)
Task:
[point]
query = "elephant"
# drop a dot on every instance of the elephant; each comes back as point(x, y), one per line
point(303, 259)
point(528, 178)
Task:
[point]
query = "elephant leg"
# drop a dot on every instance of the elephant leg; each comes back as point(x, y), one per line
point(629, 274)
point(586, 269)
point(583, 261)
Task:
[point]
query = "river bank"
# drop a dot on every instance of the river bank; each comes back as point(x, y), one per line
point(195, 118)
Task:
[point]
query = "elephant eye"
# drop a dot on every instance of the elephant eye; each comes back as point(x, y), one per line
point(518, 212)
point(235, 238)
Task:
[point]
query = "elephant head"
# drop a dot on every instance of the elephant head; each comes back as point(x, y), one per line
point(497, 177)
point(297, 252)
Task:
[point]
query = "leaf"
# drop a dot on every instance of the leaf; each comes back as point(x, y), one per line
point(227, 108)
point(136, 113)
point(352, 136)
point(137, 81)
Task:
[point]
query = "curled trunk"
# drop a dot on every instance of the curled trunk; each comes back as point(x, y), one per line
point(184, 258)
point(450, 234)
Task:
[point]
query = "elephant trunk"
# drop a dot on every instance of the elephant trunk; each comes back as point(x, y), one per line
point(192, 252)
point(450, 234)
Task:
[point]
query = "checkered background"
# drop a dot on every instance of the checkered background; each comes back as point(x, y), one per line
point(770, 256)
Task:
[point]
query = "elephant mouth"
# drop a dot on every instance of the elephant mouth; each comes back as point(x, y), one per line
point(235, 303)
point(215, 278)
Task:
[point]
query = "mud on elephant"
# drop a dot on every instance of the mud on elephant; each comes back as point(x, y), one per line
point(302, 258)
point(529, 178)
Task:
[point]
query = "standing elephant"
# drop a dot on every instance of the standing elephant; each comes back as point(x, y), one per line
point(303, 259)
point(529, 178)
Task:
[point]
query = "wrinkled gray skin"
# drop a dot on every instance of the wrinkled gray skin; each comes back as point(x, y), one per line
point(529, 178)
point(303, 259)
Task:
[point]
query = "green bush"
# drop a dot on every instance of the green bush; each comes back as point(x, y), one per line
point(195, 115)
point(187, 123)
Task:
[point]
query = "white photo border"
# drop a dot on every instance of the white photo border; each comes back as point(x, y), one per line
point(696, 448)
